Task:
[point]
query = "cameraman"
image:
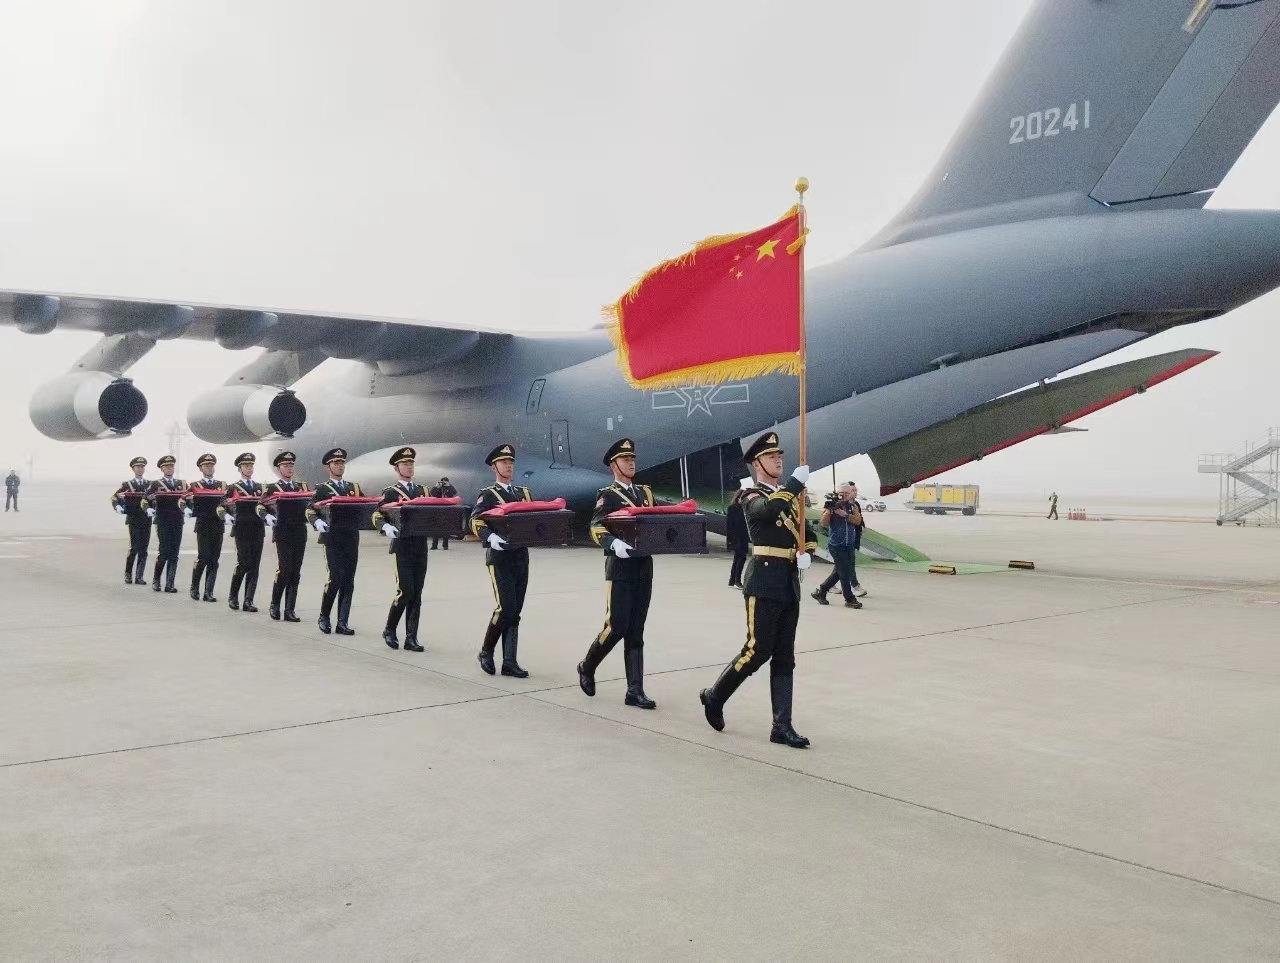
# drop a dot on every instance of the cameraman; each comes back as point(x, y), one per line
point(442, 489)
point(843, 520)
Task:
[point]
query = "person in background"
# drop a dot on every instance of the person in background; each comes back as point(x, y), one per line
point(442, 489)
point(1053, 506)
point(208, 530)
point(290, 538)
point(169, 517)
point(11, 483)
point(843, 520)
point(736, 533)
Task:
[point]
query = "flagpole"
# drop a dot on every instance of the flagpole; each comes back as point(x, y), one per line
point(802, 185)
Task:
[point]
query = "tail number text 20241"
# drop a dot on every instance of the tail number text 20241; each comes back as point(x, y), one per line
point(1048, 123)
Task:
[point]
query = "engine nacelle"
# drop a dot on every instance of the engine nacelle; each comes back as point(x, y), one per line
point(245, 413)
point(85, 405)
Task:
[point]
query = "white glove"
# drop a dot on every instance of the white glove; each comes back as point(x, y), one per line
point(188, 513)
point(621, 548)
point(151, 513)
point(321, 526)
point(269, 520)
point(120, 509)
point(746, 483)
point(803, 561)
point(229, 518)
point(390, 530)
point(801, 474)
point(496, 542)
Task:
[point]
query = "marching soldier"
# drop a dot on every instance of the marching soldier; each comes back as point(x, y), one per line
point(772, 590)
point(410, 553)
point(208, 531)
point(508, 566)
point(628, 580)
point(341, 548)
point(290, 539)
point(135, 517)
point(168, 515)
point(249, 532)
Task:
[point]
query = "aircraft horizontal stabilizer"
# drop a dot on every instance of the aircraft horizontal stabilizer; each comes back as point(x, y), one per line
point(1006, 421)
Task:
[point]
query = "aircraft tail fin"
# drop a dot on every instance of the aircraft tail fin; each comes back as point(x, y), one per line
point(1104, 102)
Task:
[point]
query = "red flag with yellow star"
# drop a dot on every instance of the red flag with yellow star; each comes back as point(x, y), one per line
point(729, 308)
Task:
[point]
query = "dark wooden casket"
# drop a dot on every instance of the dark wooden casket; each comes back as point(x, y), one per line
point(290, 507)
point(348, 512)
point(661, 534)
point(533, 529)
point(204, 503)
point(437, 521)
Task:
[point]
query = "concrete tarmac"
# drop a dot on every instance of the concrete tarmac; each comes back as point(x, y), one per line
point(1065, 764)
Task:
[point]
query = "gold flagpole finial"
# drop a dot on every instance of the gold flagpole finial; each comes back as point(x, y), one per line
point(802, 185)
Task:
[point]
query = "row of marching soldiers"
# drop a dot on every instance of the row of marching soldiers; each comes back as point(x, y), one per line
point(781, 545)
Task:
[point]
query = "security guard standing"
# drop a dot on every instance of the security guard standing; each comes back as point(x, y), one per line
point(135, 517)
point(341, 548)
point(168, 516)
point(628, 579)
point(208, 531)
point(249, 531)
point(772, 588)
point(290, 539)
point(508, 566)
point(410, 553)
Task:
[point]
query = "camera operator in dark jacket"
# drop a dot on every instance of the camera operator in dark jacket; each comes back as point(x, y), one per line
point(843, 520)
point(442, 490)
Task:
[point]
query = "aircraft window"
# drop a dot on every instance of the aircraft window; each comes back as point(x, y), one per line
point(535, 397)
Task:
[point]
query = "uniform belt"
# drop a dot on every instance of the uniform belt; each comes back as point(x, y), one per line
point(788, 553)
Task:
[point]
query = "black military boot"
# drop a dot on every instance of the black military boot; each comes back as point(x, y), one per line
point(210, 576)
point(195, 581)
point(171, 573)
point(485, 656)
point(389, 633)
point(140, 570)
point(250, 587)
point(274, 609)
point(155, 575)
point(635, 680)
point(128, 570)
point(510, 642)
point(233, 593)
point(344, 612)
point(323, 623)
point(411, 643)
point(713, 699)
point(783, 734)
point(290, 598)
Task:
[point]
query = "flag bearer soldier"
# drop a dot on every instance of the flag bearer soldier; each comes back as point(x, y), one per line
point(168, 516)
point(290, 539)
point(508, 566)
point(410, 553)
point(208, 530)
point(772, 588)
point(628, 580)
point(135, 517)
point(249, 531)
point(341, 548)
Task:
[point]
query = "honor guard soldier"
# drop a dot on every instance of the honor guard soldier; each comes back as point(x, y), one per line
point(249, 532)
point(290, 539)
point(410, 553)
point(341, 548)
point(135, 517)
point(208, 531)
point(168, 516)
point(508, 566)
point(628, 580)
point(775, 518)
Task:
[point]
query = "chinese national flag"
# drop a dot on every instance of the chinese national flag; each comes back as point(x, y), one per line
point(730, 308)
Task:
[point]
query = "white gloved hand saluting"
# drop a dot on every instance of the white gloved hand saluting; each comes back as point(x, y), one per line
point(803, 561)
point(269, 520)
point(151, 513)
point(321, 526)
point(621, 548)
point(801, 474)
point(496, 542)
point(390, 530)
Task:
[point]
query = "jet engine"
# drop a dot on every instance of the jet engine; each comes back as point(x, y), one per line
point(245, 414)
point(84, 405)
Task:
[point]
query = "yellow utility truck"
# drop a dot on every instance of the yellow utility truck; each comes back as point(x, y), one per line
point(935, 499)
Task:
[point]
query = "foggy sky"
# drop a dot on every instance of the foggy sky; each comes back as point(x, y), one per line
point(509, 166)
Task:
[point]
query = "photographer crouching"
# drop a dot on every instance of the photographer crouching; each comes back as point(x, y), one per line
point(842, 518)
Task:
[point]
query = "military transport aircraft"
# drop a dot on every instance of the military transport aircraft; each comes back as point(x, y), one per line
point(1064, 221)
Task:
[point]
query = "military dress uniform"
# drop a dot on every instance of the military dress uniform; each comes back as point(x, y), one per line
point(290, 539)
point(411, 561)
point(628, 588)
point(208, 534)
point(139, 525)
point(772, 594)
point(341, 550)
point(249, 532)
point(508, 574)
point(169, 519)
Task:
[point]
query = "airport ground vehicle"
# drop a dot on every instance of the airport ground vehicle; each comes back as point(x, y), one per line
point(939, 499)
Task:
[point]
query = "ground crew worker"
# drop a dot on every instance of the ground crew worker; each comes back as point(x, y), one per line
point(772, 589)
point(410, 553)
point(208, 530)
point(1053, 506)
point(249, 532)
point(628, 579)
point(135, 518)
point(508, 566)
point(11, 485)
point(290, 539)
point(442, 489)
point(341, 547)
point(168, 516)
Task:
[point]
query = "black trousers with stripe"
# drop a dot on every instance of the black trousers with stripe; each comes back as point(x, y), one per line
point(771, 637)
point(626, 610)
point(291, 546)
point(509, 575)
point(411, 575)
point(342, 554)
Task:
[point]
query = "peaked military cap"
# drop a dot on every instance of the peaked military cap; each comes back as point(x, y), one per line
point(283, 457)
point(402, 454)
point(623, 446)
point(135, 462)
point(245, 458)
point(334, 454)
point(206, 459)
point(764, 445)
point(165, 460)
point(502, 451)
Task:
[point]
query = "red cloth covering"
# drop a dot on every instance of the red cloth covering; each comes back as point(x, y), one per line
point(289, 496)
point(428, 500)
point(208, 493)
point(552, 506)
point(688, 507)
point(240, 497)
point(167, 493)
point(349, 500)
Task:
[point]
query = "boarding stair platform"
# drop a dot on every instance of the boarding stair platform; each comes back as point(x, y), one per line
point(1249, 483)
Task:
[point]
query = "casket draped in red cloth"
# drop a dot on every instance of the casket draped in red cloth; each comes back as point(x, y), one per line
point(170, 493)
point(556, 505)
point(687, 507)
point(287, 496)
point(348, 500)
point(429, 500)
